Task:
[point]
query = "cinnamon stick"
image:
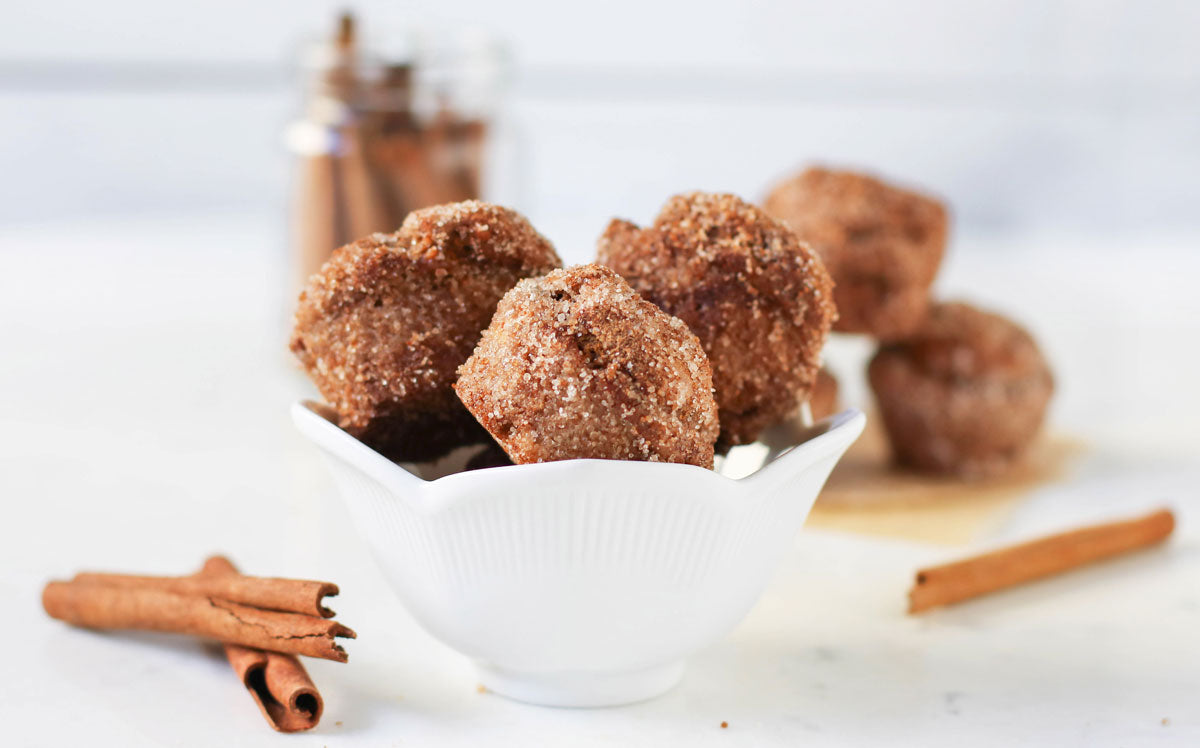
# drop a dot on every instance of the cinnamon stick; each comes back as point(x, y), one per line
point(318, 224)
point(106, 606)
point(364, 200)
point(278, 683)
point(963, 580)
point(287, 595)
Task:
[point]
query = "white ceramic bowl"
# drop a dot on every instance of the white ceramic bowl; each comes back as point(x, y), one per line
point(583, 582)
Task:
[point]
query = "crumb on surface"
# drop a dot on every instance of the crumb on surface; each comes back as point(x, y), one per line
point(480, 688)
point(724, 725)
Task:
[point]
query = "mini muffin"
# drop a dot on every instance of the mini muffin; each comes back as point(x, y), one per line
point(823, 401)
point(759, 300)
point(384, 325)
point(881, 244)
point(965, 394)
point(577, 365)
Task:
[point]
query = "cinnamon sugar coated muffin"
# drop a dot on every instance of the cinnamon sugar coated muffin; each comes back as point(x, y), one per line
point(759, 300)
point(965, 394)
point(384, 325)
point(882, 245)
point(577, 365)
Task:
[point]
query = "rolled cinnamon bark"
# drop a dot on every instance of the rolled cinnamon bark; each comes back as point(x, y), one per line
point(365, 203)
point(107, 606)
point(279, 684)
point(288, 595)
point(318, 224)
point(962, 580)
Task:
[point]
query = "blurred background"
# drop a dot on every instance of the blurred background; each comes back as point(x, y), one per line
point(154, 157)
point(1030, 115)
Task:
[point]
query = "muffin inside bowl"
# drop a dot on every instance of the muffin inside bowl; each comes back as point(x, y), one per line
point(582, 582)
point(625, 487)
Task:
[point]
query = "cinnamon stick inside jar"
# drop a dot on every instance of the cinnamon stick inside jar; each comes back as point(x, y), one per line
point(380, 137)
point(963, 580)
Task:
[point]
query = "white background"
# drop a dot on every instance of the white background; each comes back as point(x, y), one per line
point(1027, 114)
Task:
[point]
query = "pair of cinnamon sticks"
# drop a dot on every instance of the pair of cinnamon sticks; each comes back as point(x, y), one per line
point(263, 624)
point(962, 580)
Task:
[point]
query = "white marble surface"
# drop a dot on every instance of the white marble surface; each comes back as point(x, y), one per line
point(144, 425)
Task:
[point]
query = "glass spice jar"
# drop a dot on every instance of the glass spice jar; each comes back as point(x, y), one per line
point(387, 129)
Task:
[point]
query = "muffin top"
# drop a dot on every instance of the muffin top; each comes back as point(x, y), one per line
point(759, 300)
point(862, 225)
point(385, 323)
point(576, 364)
point(960, 341)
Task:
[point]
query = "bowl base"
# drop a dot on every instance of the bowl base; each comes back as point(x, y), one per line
point(581, 688)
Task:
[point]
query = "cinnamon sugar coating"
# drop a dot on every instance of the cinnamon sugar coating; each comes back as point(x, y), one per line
point(384, 325)
point(759, 300)
point(576, 365)
point(965, 394)
point(882, 245)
